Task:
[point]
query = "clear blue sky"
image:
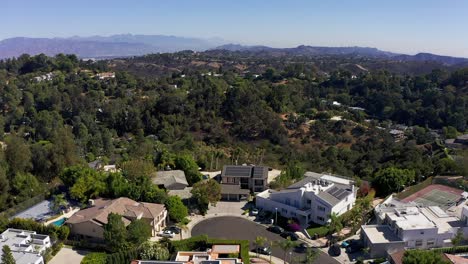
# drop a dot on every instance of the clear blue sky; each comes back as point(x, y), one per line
point(407, 26)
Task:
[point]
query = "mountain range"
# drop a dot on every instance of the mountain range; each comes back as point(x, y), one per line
point(125, 45)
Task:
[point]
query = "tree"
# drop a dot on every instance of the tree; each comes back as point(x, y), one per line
point(286, 245)
point(139, 231)
point(58, 202)
point(335, 224)
point(133, 169)
point(153, 251)
point(18, 155)
point(458, 238)
point(115, 233)
point(188, 164)
point(176, 208)
point(310, 256)
point(392, 179)
point(259, 242)
point(25, 185)
point(7, 256)
point(423, 256)
point(206, 192)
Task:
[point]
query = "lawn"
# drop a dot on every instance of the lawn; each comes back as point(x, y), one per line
point(317, 229)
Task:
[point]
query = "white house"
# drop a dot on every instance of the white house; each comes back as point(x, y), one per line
point(312, 199)
point(406, 225)
point(26, 246)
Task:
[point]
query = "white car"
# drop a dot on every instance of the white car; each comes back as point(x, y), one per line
point(167, 233)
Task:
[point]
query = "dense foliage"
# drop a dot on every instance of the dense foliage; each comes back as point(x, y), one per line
point(202, 110)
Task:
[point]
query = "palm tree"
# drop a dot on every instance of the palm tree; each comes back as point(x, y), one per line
point(58, 201)
point(286, 245)
point(183, 227)
point(259, 242)
point(335, 224)
point(311, 255)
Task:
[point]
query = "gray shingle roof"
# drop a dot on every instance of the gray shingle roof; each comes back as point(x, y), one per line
point(334, 195)
point(168, 178)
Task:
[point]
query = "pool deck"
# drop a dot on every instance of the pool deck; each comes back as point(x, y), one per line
point(67, 215)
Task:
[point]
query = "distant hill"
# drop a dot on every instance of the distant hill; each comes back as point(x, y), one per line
point(99, 46)
point(355, 51)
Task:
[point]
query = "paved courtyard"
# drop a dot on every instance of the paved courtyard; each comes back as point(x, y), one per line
point(69, 256)
point(229, 227)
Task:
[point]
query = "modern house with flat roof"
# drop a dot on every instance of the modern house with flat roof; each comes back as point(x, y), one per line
point(26, 246)
point(218, 254)
point(406, 225)
point(89, 223)
point(312, 199)
point(238, 181)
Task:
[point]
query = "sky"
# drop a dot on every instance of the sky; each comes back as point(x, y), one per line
point(404, 26)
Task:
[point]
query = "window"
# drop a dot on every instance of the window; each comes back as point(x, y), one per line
point(422, 233)
point(309, 201)
point(321, 208)
point(284, 211)
point(320, 218)
point(419, 243)
point(287, 201)
point(430, 242)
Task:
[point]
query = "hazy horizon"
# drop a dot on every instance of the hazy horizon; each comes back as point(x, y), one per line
point(397, 26)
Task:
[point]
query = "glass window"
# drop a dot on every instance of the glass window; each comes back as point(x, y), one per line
point(419, 243)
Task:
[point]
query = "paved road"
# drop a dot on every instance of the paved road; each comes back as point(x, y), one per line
point(228, 227)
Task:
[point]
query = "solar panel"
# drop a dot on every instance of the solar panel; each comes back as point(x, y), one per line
point(238, 171)
point(258, 172)
point(338, 193)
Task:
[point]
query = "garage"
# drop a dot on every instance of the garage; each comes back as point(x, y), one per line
point(231, 192)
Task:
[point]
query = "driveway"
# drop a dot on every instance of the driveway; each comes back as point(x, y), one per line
point(68, 256)
point(229, 227)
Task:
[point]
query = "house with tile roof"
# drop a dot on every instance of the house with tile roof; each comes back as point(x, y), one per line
point(89, 222)
point(312, 199)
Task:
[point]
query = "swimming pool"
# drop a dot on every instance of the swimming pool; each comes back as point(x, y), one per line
point(59, 222)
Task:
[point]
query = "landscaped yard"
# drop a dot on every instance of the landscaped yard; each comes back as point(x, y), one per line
point(321, 231)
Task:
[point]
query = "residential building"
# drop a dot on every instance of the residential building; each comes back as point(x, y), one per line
point(312, 199)
point(407, 225)
point(218, 254)
point(397, 134)
point(26, 246)
point(238, 181)
point(170, 179)
point(105, 75)
point(89, 223)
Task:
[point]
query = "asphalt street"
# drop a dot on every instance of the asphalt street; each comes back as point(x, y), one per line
point(227, 227)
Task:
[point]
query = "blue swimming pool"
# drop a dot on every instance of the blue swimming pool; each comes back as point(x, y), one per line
point(59, 222)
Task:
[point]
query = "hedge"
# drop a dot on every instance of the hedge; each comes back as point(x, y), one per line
point(60, 232)
point(95, 258)
point(452, 250)
point(244, 247)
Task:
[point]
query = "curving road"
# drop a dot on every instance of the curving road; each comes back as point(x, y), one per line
point(228, 227)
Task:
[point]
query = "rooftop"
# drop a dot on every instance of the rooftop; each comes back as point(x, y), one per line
point(123, 206)
point(380, 234)
point(260, 172)
point(167, 178)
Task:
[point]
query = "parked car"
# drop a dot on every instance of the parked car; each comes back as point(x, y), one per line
point(302, 248)
point(264, 250)
point(254, 211)
point(275, 229)
point(166, 233)
point(293, 236)
point(174, 229)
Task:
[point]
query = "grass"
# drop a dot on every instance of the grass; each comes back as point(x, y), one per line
point(317, 229)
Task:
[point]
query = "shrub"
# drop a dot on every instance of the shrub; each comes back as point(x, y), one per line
point(95, 258)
